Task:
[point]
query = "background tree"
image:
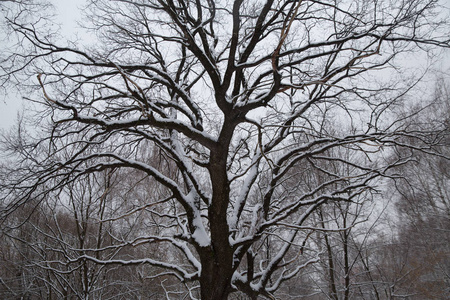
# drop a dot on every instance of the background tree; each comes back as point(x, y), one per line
point(424, 211)
point(233, 96)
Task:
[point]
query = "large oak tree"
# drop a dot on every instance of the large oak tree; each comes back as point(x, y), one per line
point(222, 106)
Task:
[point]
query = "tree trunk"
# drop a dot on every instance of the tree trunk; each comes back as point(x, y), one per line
point(214, 283)
point(217, 260)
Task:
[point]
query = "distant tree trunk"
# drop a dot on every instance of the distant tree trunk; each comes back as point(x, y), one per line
point(330, 260)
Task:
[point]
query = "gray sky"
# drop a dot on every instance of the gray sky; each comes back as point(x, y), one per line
point(68, 13)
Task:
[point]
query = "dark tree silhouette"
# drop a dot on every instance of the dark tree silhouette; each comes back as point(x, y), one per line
point(220, 105)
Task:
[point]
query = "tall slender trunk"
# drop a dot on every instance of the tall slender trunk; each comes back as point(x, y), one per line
point(332, 281)
point(346, 263)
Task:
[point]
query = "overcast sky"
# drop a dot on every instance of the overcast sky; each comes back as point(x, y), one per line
point(69, 12)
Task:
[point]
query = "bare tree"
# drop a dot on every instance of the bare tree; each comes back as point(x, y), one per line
point(422, 244)
point(49, 239)
point(343, 233)
point(233, 94)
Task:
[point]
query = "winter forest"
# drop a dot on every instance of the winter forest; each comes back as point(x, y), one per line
point(227, 149)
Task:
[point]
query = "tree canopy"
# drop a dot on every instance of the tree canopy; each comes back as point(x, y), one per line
point(226, 125)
